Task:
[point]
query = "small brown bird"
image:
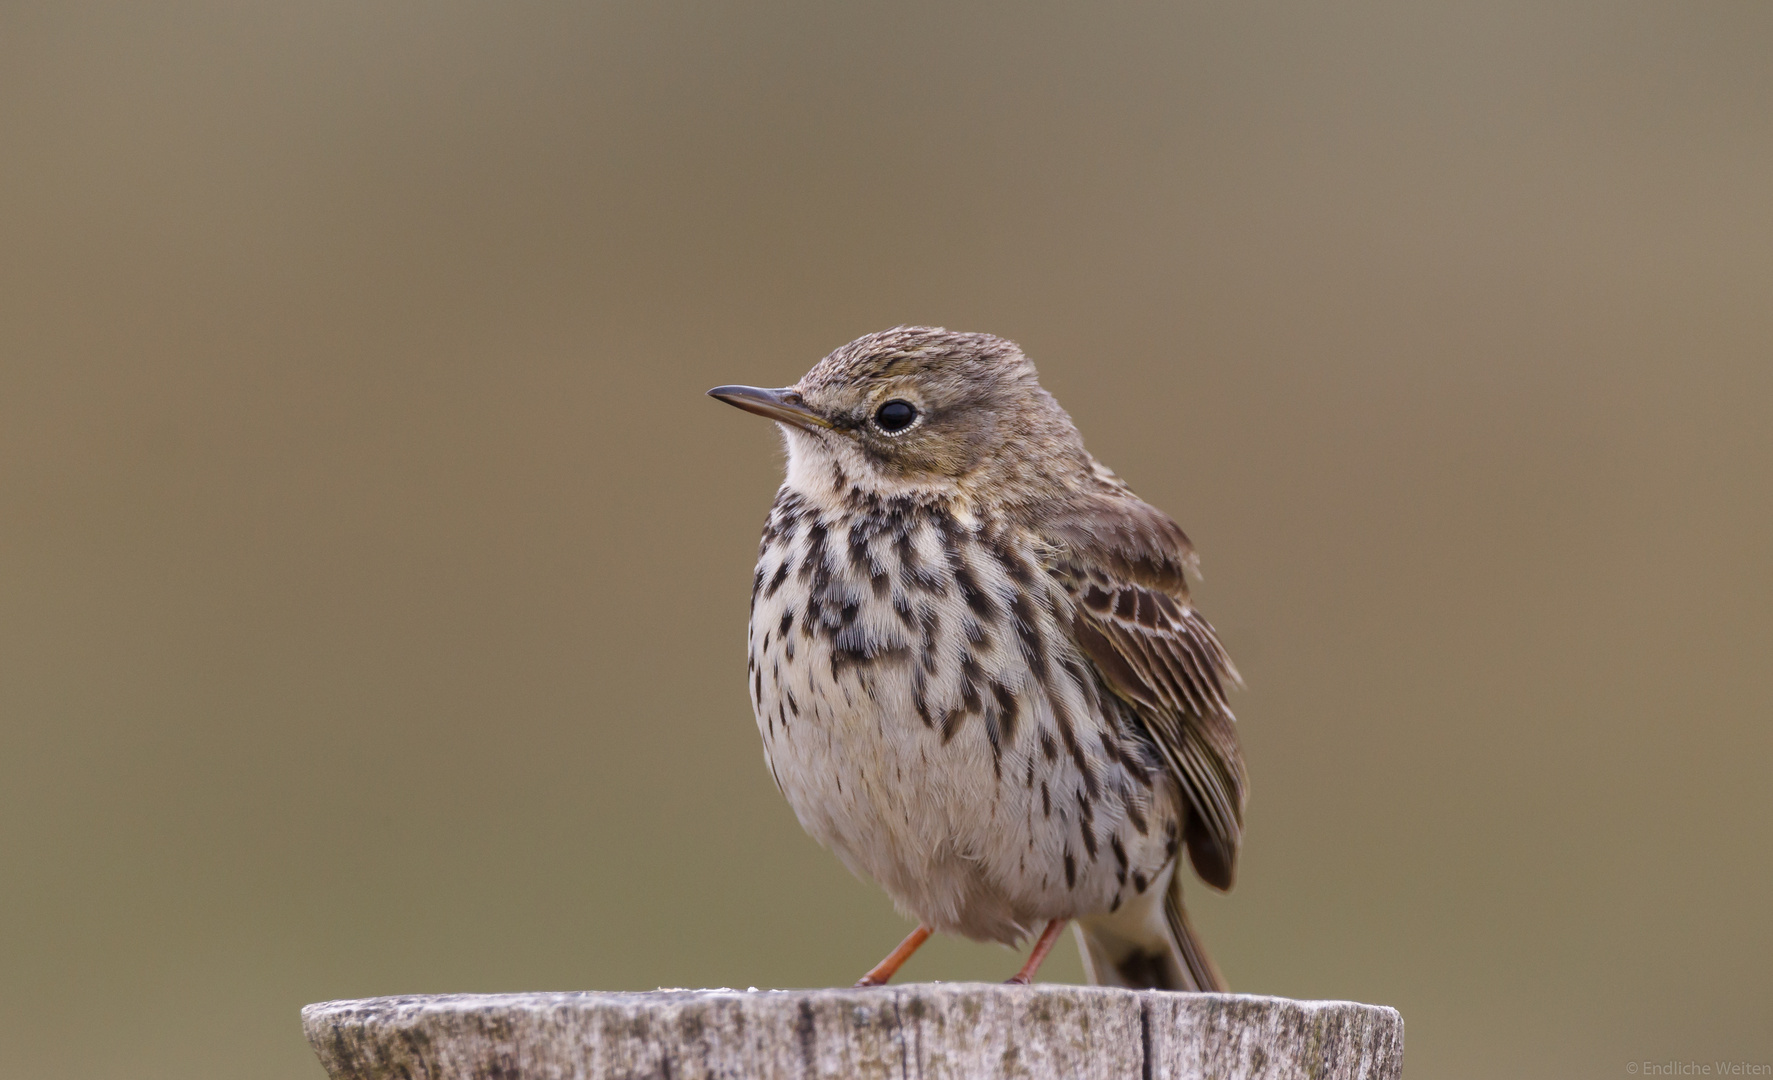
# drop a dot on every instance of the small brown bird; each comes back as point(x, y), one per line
point(975, 666)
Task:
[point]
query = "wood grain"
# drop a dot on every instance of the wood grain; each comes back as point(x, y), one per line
point(929, 1031)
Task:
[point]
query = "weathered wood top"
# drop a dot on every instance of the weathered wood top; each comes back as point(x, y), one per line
point(923, 1030)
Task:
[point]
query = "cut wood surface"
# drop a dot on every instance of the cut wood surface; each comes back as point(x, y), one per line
point(922, 1030)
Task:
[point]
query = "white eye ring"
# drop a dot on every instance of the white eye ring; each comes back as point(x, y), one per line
point(897, 416)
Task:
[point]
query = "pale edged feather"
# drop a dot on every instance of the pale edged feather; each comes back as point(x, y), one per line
point(1129, 564)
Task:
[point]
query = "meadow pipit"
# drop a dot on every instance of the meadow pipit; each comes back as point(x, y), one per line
point(975, 666)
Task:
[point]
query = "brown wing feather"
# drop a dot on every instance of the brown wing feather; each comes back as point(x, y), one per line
point(1128, 563)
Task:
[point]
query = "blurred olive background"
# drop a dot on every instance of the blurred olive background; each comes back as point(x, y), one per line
point(373, 573)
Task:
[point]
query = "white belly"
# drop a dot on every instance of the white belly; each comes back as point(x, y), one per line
point(893, 673)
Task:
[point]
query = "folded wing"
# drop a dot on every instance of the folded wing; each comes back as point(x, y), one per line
point(1127, 563)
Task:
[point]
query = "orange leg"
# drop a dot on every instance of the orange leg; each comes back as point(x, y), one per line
point(895, 959)
point(1048, 938)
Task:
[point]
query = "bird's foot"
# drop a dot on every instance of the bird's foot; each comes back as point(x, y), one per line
point(1048, 938)
point(895, 959)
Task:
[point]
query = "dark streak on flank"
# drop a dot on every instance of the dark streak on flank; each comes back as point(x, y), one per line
point(1086, 823)
point(1069, 738)
point(776, 580)
point(846, 655)
point(970, 677)
point(1012, 564)
point(1028, 630)
point(974, 596)
point(1135, 815)
point(918, 700)
point(902, 608)
point(1110, 746)
point(929, 622)
point(1008, 709)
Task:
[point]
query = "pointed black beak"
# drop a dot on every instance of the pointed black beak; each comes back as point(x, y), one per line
point(784, 406)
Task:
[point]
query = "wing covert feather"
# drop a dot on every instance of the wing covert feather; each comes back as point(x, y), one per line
point(1127, 563)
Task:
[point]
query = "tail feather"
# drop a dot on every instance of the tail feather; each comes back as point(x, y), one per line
point(1202, 972)
point(1148, 945)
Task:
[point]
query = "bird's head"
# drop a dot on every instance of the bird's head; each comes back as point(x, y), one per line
point(919, 409)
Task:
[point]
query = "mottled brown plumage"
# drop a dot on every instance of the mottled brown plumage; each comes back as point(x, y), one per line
point(975, 665)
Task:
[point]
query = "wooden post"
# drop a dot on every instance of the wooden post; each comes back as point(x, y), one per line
point(963, 1031)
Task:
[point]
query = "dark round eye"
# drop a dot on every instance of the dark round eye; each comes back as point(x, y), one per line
point(895, 416)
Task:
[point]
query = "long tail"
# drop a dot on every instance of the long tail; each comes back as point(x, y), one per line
point(1148, 945)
